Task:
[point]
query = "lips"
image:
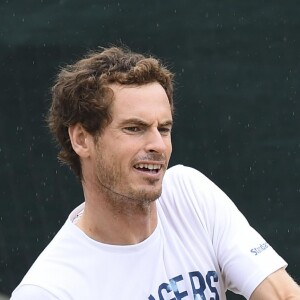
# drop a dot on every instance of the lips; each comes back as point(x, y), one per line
point(148, 167)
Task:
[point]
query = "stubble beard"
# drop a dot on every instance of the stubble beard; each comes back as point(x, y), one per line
point(122, 200)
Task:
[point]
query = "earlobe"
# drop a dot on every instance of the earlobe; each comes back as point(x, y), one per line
point(79, 140)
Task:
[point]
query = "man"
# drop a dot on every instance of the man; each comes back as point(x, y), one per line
point(143, 232)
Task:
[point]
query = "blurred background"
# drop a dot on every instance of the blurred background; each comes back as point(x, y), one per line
point(237, 119)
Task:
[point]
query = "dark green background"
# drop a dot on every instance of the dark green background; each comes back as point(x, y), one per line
point(237, 120)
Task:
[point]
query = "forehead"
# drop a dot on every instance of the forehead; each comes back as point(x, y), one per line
point(148, 100)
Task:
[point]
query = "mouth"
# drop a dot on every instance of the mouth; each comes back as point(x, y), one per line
point(148, 168)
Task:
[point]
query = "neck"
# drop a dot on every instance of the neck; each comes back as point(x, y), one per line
point(114, 219)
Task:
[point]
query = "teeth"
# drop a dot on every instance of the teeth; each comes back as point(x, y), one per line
point(148, 166)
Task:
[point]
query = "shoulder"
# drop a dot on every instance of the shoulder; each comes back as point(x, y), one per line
point(188, 194)
point(190, 184)
point(181, 170)
point(184, 176)
point(31, 292)
point(54, 268)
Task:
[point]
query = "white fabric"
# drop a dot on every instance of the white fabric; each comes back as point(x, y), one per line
point(33, 292)
point(201, 247)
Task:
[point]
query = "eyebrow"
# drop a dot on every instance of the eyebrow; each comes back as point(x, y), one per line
point(137, 121)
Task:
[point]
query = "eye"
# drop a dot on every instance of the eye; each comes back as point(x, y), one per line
point(132, 129)
point(164, 130)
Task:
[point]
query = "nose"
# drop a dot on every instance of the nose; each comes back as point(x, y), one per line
point(156, 142)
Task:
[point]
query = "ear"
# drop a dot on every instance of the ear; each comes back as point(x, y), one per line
point(80, 140)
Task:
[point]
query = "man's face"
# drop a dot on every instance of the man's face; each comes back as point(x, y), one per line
point(133, 151)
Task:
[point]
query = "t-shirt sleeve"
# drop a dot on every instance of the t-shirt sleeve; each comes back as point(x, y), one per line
point(32, 292)
point(244, 257)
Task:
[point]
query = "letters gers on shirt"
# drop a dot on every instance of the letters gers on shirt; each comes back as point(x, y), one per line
point(198, 282)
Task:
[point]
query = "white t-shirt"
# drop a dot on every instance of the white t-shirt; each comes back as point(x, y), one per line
point(201, 247)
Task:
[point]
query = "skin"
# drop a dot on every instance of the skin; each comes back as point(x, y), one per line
point(277, 286)
point(120, 199)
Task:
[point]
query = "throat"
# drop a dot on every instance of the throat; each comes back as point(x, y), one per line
point(117, 229)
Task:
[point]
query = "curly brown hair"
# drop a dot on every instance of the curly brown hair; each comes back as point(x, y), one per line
point(81, 93)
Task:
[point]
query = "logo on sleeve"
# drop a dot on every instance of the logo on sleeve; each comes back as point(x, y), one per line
point(260, 248)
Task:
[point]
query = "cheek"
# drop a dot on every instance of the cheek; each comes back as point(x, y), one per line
point(169, 146)
point(119, 156)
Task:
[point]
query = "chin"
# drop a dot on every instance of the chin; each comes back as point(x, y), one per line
point(148, 194)
point(153, 195)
